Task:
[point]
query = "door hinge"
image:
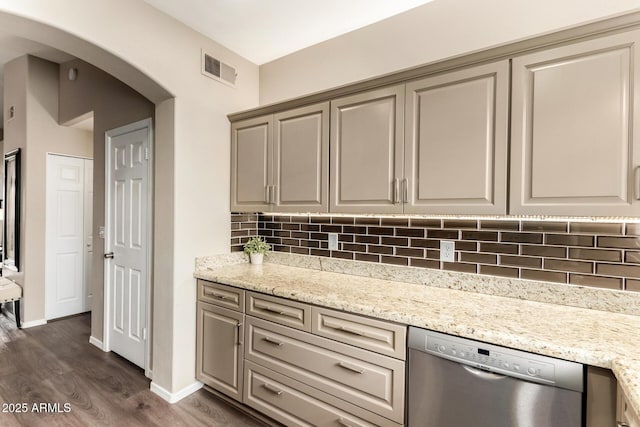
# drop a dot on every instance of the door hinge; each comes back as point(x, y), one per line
point(146, 153)
point(144, 334)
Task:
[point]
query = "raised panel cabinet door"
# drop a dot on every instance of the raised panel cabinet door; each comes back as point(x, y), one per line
point(574, 135)
point(219, 349)
point(367, 140)
point(251, 164)
point(301, 159)
point(456, 142)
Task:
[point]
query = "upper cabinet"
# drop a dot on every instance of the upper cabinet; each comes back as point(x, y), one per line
point(251, 164)
point(280, 162)
point(575, 140)
point(367, 151)
point(549, 131)
point(456, 142)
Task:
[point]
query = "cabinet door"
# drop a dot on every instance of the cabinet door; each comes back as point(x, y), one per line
point(456, 142)
point(574, 135)
point(219, 349)
point(301, 159)
point(251, 164)
point(367, 151)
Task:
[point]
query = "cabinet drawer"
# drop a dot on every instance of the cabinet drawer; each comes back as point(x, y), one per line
point(366, 379)
point(295, 404)
point(370, 334)
point(279, 310)
point(221, 295)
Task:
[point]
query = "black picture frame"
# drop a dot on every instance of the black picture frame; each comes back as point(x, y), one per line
point(12, 201)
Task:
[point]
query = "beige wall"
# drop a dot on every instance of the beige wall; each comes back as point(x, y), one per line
point(113, 104)
point(160, 58)
point(435, 31)
point(35, 130)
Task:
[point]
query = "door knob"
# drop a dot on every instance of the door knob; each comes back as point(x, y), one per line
point(109, 255)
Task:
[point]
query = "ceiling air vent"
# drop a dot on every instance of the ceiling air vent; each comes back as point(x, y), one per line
point(218, 70)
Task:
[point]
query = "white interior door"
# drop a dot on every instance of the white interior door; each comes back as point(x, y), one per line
point(65, 259)
point(127, 246)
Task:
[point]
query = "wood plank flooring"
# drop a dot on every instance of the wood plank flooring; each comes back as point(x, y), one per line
point(54, 364)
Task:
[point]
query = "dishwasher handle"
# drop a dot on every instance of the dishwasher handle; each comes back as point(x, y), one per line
point(483, 374)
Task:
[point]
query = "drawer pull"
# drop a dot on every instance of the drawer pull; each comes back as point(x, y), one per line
point(351, 368)
point(354, 331)
point(277, 310)
point(272, 389)
point(273, 341)
point(346, 423)
point(215, 295)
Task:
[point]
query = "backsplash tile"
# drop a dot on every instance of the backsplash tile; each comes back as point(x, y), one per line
point(595, 254)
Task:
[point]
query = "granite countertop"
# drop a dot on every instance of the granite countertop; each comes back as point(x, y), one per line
point(595, 337)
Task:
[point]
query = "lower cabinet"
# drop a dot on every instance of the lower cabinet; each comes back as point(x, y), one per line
point(328, 368)
point(219, 349)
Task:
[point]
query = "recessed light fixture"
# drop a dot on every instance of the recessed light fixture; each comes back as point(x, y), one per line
point(73, 74)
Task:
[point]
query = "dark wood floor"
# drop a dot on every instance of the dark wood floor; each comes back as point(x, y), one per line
point(55, 364)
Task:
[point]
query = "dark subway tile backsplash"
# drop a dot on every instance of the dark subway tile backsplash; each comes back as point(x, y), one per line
point(598, 254)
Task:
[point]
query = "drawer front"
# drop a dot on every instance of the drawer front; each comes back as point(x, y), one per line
point(375, 335)
point(221, 295)
point(369, 380)
point(295, 404)
point(279, 310)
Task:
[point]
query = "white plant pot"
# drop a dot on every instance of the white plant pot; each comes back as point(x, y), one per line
point(256, 258)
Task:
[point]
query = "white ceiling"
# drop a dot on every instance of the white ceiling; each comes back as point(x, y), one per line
point(264, 30)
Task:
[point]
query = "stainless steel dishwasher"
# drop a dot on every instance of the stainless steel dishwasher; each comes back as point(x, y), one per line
point(456, 382)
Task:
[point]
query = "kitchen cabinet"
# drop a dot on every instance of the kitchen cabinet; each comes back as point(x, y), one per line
point(280, 162)
point(456, 142)
point(575, 141)
point(251, 164)
point(625, 414)
point(219, 343)
point(367, 139)
point(298, 363)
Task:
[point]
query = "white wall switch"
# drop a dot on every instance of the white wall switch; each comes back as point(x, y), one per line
point(447, 250)
point(333, 241)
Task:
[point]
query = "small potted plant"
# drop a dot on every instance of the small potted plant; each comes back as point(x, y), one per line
point(256, 248)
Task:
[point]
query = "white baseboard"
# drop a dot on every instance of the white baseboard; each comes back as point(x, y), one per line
point(33, 323)
point(175, 397)
point(95, 341)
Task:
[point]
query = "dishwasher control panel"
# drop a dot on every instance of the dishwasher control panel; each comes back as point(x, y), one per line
point(499, 360)
point(488, 359)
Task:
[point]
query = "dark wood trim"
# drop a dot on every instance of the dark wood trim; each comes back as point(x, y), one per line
point(591, 30)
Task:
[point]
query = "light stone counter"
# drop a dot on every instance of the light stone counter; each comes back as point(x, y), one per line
point(601, 338)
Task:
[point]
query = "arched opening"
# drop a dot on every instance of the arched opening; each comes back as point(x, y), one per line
point(110, 91)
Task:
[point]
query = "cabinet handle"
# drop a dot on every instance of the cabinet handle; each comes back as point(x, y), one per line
point(396, 191)
point(405, 190)
point(272, 389)
point(346, 423)
point(273, 341)
point(351, 368)
point(271, 188)
point(215, 295)
point(275, 310)
point(238, 334)
point(636, 183)
point(357, 332)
